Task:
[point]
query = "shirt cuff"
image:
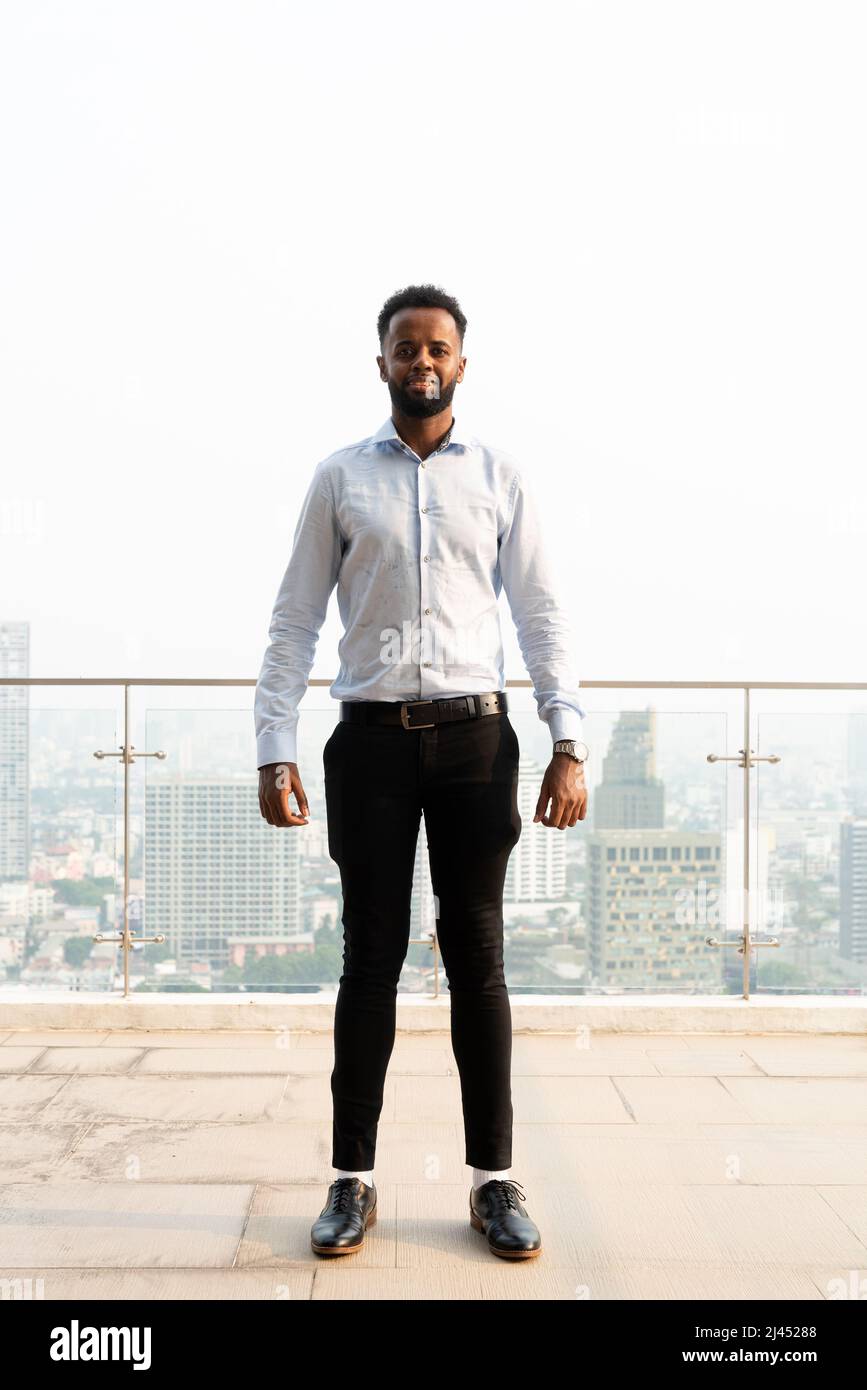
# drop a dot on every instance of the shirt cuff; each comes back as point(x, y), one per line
point(276, 748)
point(565, 723)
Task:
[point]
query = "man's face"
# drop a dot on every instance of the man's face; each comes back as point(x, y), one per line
point(421, 361)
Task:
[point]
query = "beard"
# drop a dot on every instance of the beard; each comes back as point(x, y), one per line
point(416, 404)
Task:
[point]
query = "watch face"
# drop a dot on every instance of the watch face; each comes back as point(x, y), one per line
point(582, 751)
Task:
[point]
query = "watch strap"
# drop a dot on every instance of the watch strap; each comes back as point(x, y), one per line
point(567, 745)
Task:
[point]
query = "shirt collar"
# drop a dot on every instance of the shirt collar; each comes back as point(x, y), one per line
point(456, 435)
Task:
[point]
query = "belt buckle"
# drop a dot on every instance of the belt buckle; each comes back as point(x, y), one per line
point(404, 717)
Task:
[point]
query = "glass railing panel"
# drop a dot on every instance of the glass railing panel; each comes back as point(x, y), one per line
point(244, 905)
point(809, 879)
point(624, 901)
point(61, 840)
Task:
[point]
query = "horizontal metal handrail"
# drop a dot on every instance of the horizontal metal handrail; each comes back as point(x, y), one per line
point(329, 680)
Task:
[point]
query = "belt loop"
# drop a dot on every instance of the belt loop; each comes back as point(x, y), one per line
point(477, 705)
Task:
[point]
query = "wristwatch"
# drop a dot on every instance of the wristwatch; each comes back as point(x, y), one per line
point(579, 751)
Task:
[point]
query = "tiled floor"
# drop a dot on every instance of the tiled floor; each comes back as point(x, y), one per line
point(191, 1165)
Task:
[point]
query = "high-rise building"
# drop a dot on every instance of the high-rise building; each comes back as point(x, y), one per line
point(853, 889)
point(215, 869)
point(424, 908)
point(653, 897)
point(536, 871)
point(856, 762)
point(630, 796)
point(654, 894)
point(14, 753)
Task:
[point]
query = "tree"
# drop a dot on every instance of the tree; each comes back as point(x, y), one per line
point(76, 950)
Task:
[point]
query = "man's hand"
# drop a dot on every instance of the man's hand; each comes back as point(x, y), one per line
point(563, 785)
point(276, 782)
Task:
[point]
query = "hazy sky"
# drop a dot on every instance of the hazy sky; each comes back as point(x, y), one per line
point(653, 215)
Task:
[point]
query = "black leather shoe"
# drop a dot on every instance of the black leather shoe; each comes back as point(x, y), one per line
point(496, 1210)
point(340, 1226)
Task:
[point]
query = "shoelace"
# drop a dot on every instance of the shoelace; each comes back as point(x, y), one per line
point(343, 1192)
point(510, 1192)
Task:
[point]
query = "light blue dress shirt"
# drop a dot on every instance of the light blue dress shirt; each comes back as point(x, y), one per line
point(419, 550)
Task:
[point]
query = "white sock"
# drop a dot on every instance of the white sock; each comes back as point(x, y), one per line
point(483, 1175)
point(354, 1173)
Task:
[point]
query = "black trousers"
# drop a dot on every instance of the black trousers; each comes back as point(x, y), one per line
point(463, 775)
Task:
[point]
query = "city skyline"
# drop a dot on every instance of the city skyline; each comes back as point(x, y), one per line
point(802, 882)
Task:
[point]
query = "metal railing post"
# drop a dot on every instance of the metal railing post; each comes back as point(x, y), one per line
point(746, 760)
point(126, 756)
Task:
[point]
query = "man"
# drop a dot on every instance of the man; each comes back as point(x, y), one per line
point(420, 526)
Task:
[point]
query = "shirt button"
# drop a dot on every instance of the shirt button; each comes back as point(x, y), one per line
point(427, 663)
point(427, 557)
point(427, 610)
point(422, 463)
point(424, 509)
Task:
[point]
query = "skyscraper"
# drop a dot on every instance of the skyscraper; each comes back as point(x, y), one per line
point(423, 905)
point(653, 893)
point(630, 795)
point(856, 762)
point(214, 868)
point(14, 753)
point(536, 871)
point(853, 889)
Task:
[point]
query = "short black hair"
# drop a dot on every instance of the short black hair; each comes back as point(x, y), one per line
point(420, 297)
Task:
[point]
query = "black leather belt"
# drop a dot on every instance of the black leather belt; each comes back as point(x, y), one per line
point(423, 714)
